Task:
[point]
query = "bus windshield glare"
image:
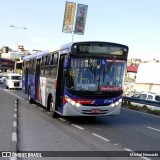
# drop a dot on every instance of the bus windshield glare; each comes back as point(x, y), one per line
point(90, 74)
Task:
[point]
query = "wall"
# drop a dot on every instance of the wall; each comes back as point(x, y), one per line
point(155, 88)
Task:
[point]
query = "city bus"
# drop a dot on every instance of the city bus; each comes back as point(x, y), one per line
point(77, 79)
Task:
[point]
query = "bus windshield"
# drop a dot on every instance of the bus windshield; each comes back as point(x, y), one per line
point(90, 74)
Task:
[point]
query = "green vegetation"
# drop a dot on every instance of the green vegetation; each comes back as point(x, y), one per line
point(141, 109)
point(19, 71)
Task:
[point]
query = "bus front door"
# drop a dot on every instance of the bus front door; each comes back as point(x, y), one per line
point(60, 84)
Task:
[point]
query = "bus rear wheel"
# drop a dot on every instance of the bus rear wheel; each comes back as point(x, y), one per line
point(52, 107)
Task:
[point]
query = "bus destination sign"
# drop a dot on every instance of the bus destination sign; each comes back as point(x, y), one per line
point(100, 49)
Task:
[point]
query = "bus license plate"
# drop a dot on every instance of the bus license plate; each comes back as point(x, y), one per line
point(95, 110)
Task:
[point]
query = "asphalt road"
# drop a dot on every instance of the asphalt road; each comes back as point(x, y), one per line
point(6, 120)
point(37, 131)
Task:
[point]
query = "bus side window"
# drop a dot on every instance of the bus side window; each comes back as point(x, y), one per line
point(52, 59)
point(47, 71)
point(53, 71)
point(32, 66)
point(29, 65)
point(42, 61)
point(46, 59)
point(55, 59)
point(54, 63)
point(42, 66)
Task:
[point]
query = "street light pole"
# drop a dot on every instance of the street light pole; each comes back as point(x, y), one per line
point(18, 28)
point(74, 23)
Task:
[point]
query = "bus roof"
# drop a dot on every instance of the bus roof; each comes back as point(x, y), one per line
point(64, 47)
point(36, 55)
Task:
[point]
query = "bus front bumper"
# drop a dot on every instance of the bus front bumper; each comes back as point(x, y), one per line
point(71, 110)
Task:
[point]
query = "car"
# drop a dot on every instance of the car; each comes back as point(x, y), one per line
point(147, 96)
point(13, 80)
point(151, 100)
point(4, 78)
point(1, 79)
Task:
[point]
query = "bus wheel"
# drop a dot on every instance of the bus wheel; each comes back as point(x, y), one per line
point(29, 96)
point(51, 106)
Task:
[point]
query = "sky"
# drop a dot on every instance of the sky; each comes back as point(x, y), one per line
point(135, 23)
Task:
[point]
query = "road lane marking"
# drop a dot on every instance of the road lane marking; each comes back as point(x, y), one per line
point(14, 136)
point(14, 123)
point(13, 94)
point(15, 115)
point(105, 139)
point(153, 128)
point(77, 126)
point(13, 158)
point(145, 158)
point(127, 149)
point(15, 109)
point(41, 109)
point(62, 119)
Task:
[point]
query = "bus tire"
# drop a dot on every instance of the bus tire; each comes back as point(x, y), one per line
point(29, 96)
point(51, 107)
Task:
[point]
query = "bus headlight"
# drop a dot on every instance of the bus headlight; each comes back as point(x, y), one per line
point(116, 103)
point(113, 104)
point(72, 102)
point(78, 104)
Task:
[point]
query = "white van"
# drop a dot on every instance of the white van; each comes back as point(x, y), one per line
point(13, 80)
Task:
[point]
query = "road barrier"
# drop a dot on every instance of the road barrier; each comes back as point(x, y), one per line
point(141, 101)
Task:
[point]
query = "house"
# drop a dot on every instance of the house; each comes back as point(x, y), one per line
point(132, 71)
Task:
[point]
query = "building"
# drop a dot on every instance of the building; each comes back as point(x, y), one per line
point(132, 71)
point(148, 78)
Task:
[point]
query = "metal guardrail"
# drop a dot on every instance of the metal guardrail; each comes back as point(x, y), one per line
point(141, 101)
